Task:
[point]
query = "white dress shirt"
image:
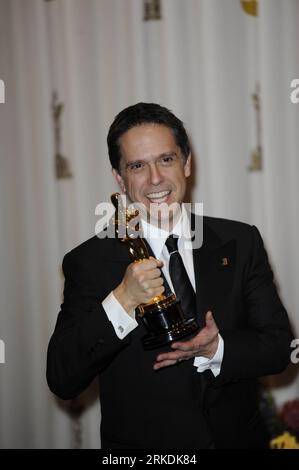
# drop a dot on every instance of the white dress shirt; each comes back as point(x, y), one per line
point(123, 323)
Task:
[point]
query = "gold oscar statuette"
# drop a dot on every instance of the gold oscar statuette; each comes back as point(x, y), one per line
point(162, 317)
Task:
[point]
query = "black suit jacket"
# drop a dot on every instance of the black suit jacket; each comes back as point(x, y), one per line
point(176, 407)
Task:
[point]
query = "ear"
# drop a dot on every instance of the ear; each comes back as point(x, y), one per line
point(187, 166)
point(119, 180)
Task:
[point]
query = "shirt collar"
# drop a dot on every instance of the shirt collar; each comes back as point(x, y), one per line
point(157, 237)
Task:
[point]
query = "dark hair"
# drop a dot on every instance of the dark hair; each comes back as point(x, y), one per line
point(144, 113)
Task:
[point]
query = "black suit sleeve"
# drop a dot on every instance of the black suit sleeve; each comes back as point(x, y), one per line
point(260, 345)
point(84, 341)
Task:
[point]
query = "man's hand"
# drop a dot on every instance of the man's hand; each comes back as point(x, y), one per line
point(205, 344)
point(142, 281)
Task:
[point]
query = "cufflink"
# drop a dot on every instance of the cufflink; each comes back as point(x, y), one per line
point(225, 262)
point(120, 329)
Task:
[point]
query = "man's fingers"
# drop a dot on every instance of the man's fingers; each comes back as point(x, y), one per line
point(172, 356)
point(154, 274)
point(152, 283)
point(209, 318)
point(146, 264)
point(193, 344)
point(211, 324)
point(185, 346)
point(160, 365)
point(158, 262)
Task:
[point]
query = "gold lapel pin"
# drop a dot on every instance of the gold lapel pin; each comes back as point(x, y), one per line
point(225, 262)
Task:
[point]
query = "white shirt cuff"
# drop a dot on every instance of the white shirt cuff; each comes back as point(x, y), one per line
point(203, 363)
point(122, 322)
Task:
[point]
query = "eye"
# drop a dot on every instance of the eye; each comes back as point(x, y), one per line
point(136, 166)
point(167, 160)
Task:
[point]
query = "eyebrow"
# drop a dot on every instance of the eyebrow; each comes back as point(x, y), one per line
point(164, 154)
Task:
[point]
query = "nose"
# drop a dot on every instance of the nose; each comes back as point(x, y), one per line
point(154, 174)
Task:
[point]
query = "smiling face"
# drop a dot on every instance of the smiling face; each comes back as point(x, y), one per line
point(153, 170)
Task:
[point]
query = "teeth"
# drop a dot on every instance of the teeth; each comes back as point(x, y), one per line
point(159, 195)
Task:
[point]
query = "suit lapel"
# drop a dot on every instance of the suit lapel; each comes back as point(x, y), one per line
point(214, 265)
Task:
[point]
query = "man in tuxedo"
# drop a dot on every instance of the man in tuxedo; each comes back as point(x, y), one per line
point(199, 392)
